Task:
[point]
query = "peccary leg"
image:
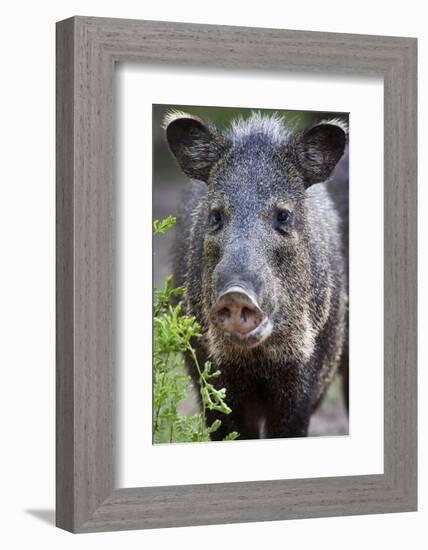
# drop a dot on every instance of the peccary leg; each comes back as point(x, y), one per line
point(289, 419)
point(291, 410)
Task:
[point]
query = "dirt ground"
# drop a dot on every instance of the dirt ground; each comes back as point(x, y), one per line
point(330, 418)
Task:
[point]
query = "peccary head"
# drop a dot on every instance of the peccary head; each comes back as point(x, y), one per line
point(256, 273)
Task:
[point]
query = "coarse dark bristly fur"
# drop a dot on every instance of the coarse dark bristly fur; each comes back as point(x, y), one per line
point(296, 268)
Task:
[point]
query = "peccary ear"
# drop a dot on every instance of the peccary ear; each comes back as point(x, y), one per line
point(196, 146)
point(317, 151)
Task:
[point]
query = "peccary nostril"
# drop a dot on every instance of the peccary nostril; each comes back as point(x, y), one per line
point(236, 313)
point(223, 315)
point(250, 319)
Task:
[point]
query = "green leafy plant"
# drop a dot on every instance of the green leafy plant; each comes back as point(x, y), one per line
point(173, 332)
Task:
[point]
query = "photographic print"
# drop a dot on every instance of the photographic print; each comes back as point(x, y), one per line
point(250, 211)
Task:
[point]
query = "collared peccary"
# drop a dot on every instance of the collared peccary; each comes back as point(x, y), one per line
point(262, 252)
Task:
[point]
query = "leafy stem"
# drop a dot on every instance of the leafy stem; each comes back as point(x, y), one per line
point(173, 334)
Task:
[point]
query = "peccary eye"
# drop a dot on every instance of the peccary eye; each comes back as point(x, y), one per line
point(283, 221)
point(215, 219)
point(283, 216)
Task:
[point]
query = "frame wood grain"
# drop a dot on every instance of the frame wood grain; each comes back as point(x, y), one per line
point(87, 51)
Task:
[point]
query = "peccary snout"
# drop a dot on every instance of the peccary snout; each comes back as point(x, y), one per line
point(239, 316)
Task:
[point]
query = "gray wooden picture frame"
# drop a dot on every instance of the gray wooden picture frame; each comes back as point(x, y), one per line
point(87, 51)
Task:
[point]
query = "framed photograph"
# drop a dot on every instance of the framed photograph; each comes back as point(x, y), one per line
point(236, 274)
